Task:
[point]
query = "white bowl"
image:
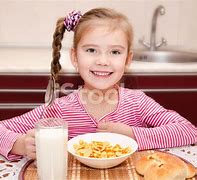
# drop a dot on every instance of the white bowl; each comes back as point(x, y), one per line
point(112, 138)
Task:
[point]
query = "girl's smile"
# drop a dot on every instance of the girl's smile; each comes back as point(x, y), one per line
point(101, 74)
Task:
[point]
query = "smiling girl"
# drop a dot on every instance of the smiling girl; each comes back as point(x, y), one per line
point(101, 51)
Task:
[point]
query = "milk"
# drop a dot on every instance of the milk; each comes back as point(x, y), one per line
point(51, 153)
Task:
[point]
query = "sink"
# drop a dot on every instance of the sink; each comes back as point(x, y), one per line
point(165, 56)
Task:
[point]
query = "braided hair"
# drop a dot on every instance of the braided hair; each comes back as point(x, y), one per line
point(57, 45)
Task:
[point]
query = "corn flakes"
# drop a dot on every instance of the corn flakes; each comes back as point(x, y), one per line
point(100, 149)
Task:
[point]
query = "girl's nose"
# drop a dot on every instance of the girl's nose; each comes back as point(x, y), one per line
point(102, 60)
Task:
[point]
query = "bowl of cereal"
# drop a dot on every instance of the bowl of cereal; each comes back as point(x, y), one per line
point(102, 150)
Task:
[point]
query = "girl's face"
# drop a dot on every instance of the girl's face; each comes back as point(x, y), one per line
point(101, 57)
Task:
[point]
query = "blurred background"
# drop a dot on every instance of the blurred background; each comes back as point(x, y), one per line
point(31, 23)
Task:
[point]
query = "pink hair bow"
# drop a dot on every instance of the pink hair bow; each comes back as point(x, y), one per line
point(72, 20)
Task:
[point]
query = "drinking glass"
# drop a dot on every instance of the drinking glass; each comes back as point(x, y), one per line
point(51, 138)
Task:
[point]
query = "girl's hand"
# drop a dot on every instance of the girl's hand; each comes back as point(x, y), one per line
point(29, 143)
point(118, 127)
point(25, 145)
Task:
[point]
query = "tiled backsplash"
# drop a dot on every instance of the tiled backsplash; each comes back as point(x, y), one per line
point(32, 22)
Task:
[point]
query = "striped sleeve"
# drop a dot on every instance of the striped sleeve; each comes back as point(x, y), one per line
point(12, 128)
point(165, 128)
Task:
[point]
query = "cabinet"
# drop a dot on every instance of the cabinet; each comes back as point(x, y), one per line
point(173, 91)
point(20, 93)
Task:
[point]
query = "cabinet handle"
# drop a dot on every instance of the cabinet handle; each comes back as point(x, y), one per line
point(22, 90)
point(19, 105)
point(67, 91)
point(63, 91)
point(170, 90)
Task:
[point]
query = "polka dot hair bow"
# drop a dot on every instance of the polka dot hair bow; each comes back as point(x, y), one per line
point(72, 20)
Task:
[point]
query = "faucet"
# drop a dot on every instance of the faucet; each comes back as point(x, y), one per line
point(153, 45)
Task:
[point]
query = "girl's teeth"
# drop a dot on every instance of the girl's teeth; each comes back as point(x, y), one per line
point(101, 73)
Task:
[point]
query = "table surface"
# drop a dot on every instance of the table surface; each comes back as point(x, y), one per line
point(25, 169)
point(78, 171)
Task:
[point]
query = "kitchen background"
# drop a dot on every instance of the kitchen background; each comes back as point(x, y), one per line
point(31, 23)
point(26, 30)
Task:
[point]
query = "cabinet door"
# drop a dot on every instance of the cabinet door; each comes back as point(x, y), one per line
point(20, 94)
point(175, 92)
point(184, 103)
point(23, 92)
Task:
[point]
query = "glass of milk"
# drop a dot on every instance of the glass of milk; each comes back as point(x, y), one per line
point(51, 138)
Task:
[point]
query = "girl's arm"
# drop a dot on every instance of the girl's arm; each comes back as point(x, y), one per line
point(165, 128)
point(13, 131)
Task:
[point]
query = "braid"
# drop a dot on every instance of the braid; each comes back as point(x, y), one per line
point(57, 45)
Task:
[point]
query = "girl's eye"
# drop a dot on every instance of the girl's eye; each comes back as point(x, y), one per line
point(91, 50)
point(115, 52)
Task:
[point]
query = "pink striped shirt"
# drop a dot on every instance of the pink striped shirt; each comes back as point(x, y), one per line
point(153, 125)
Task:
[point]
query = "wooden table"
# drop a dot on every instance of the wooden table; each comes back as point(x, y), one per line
point(78, 171)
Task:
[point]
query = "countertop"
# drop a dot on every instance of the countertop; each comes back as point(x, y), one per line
point(37, 60)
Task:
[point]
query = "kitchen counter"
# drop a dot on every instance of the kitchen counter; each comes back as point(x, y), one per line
point(37, 60)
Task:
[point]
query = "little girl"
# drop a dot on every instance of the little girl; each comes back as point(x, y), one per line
point(101, 51)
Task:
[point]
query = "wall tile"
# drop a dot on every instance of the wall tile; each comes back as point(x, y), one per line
point(30, 23)
point(188, 26)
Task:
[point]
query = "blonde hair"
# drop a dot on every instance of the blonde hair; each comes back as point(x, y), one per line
point(116, 20)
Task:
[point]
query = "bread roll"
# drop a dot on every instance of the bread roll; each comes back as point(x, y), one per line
point(164, 166)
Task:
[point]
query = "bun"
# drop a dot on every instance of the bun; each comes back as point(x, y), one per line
point(164, 166)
